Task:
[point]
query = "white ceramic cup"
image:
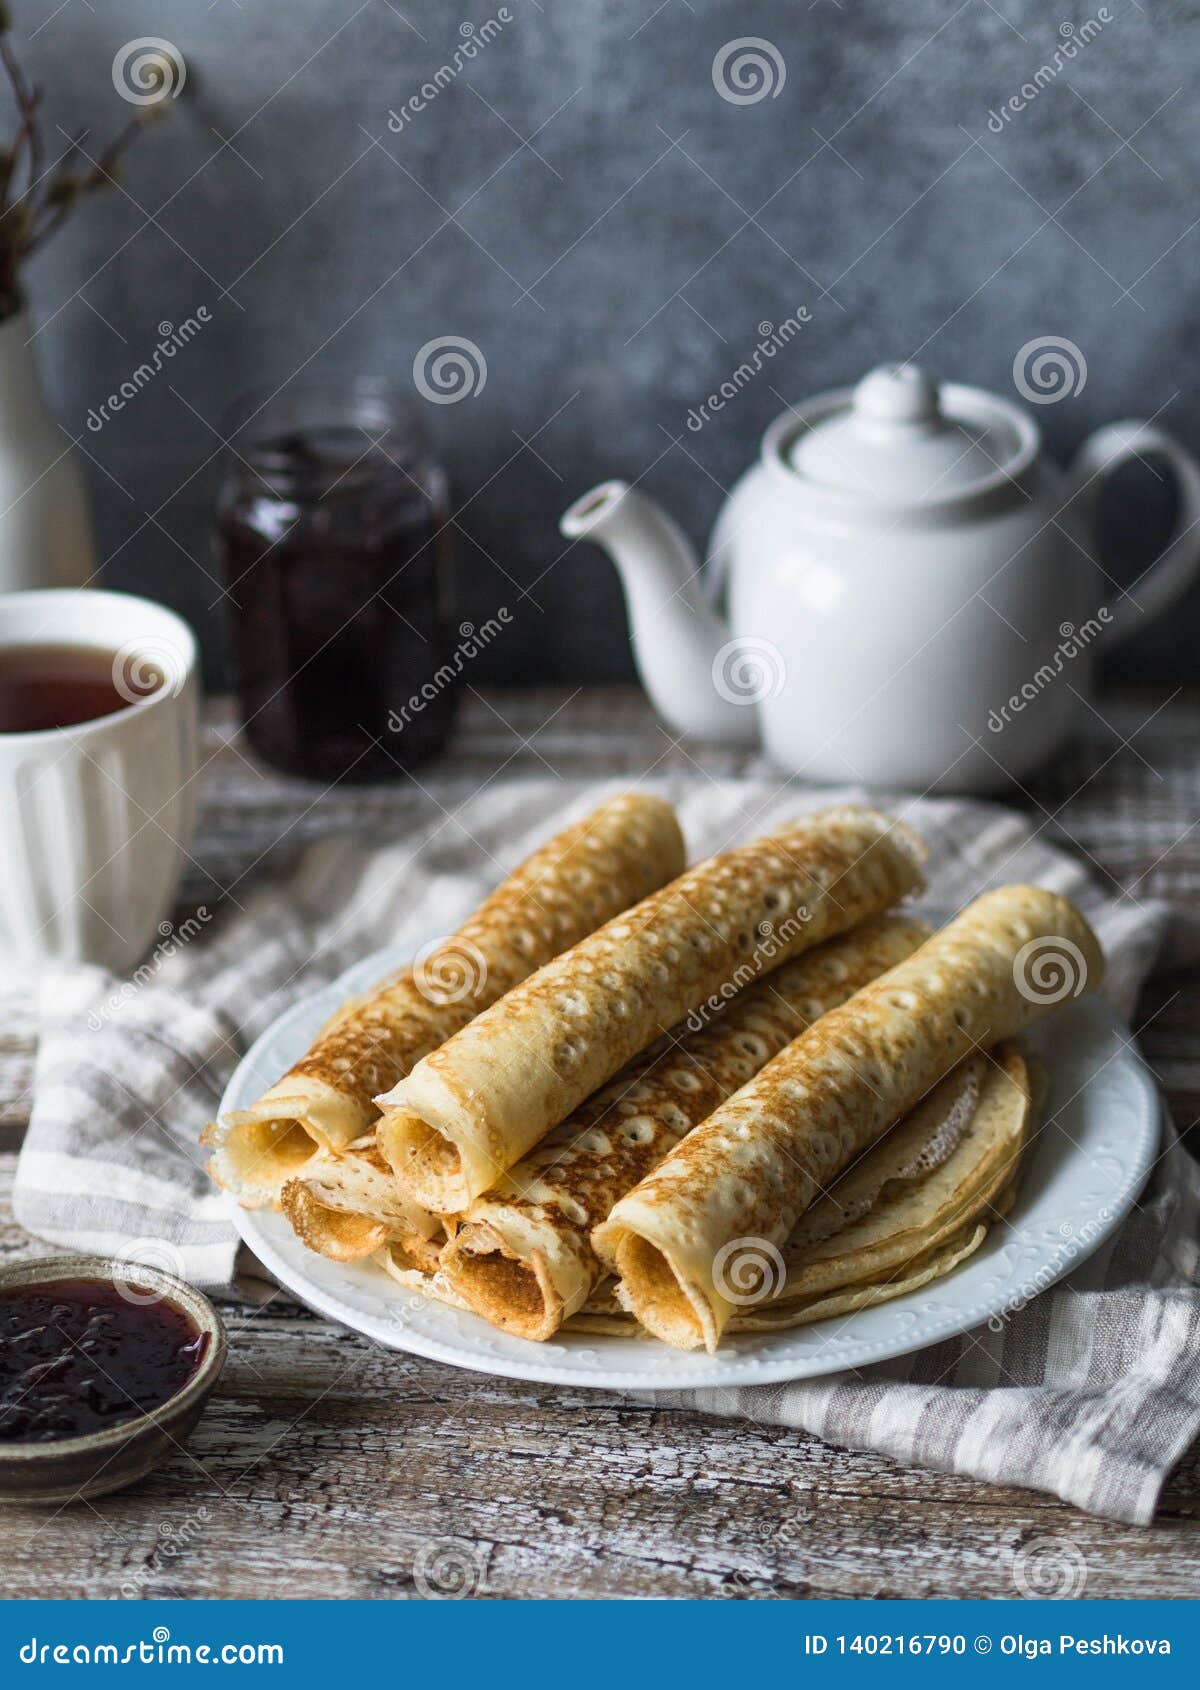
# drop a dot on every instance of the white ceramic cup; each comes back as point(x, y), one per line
point(96, 819)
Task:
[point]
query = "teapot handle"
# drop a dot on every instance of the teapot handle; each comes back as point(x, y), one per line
point(1178, 563)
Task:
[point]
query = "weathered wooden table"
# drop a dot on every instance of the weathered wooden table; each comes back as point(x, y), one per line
point(329, 1467)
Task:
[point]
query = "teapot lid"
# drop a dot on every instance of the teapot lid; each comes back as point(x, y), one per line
point(899, 438)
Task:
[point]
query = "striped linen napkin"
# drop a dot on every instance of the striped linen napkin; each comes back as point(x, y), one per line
point(1091, 1391)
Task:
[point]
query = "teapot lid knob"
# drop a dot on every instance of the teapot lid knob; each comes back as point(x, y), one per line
point(899, 439)
point(897, 393)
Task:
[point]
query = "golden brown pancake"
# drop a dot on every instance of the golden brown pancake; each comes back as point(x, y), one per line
point(767, 1154)
point(582, 878)
point(469, 1111)
point(522, 1256)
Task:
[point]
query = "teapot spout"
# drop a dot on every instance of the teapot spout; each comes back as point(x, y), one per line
point(678, 639)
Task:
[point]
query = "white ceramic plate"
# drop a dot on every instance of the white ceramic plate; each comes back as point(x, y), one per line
point(1083, 1175)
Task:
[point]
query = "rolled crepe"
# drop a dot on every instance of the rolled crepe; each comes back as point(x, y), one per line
point(582, 878)
point(935, 1183)
point(522, 1256)
point(745, 1175)
point(908, 1212)
point(936, 1264)
point(903, 1210)
point(471, 1110)
point(349, 1206)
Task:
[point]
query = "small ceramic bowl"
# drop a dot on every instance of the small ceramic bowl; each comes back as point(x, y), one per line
point(72, 1469)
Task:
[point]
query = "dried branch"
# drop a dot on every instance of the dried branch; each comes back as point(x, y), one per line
point(32, 213)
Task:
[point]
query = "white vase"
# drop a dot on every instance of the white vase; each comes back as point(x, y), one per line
point(45, 531)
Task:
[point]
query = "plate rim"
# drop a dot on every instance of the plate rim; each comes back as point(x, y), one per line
point(724, 1370)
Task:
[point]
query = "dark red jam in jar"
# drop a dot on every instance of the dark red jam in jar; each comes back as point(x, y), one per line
point(80, 1355)
point(333, 532)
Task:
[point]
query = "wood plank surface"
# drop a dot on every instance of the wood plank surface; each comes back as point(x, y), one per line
point(328, 1467)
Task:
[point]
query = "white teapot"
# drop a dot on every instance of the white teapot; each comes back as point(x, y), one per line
point(912, 594)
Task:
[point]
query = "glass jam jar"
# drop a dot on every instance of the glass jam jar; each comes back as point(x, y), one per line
point(332, 532)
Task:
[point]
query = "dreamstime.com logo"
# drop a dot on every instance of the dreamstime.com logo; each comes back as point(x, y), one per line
point(748, 70)
point(172, 338)
point(154, 1253)
point(1072, 642)
point(1071, 37)
point(172, 938)
point(450, 971)
point(449, 1570)
point(772, 340)
point(1050, 969)
point(773, 939)
point(148, 665)
point(473, 37)
point(173, 1537)
point(748, 1271)
point(1074, 1243)
point(472, 640)
point(1048, 369)
point(749, 671)
point(403, 1310)
point(148, 70)
point(448, 369)
point(155, 1650)
point(1049, 1569)
point(795, 1529)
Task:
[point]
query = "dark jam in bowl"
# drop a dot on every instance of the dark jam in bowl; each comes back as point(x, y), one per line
point(334, 547)
point(80, 1355)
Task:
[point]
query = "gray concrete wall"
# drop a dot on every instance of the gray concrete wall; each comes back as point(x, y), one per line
point(611, 232)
